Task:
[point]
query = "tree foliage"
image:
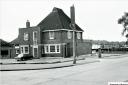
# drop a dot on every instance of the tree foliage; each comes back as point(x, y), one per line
point(124, 21)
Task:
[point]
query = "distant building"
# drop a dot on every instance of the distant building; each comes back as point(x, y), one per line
point(52, 37)
point(96, 46)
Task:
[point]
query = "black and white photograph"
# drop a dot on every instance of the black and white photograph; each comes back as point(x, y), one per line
point(63, 42)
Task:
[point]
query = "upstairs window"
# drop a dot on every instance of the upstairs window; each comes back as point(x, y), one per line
point(25, 36)
point(69, 34)
point(78, 35)
point(35, 37)
point(51, 35)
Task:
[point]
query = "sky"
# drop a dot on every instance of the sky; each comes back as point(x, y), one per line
point(98, 18)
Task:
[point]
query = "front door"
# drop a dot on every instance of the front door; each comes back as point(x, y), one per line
point(35, 52)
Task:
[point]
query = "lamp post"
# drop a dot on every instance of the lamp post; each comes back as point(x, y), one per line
point(74, 45)
point(72, 10)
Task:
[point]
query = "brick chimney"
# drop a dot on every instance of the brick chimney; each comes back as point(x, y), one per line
point(27, 24)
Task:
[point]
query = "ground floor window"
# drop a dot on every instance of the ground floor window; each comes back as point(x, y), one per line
point(24, 49)
point(58, 48)
point(4, 52)
point(43, 50)
point(17, 51)
point(52, 48)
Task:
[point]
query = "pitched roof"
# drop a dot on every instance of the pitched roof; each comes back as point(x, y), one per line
point(15, 41)
point(57, 19)
point(4, 43)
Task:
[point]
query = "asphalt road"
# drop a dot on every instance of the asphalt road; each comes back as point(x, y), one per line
point(98, 73)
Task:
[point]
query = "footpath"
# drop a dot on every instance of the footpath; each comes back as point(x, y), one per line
point(47, 63)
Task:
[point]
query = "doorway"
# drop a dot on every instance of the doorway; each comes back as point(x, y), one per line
point(35, 51)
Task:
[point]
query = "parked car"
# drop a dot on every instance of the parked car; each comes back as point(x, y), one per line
point(22, 57)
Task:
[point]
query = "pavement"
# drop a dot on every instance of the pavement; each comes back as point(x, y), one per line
point(50, 63)
point(43, 60)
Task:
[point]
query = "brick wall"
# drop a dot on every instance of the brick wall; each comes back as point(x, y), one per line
point(84, 48)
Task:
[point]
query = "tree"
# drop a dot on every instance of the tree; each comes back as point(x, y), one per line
point(124, 21)
point(127, 39)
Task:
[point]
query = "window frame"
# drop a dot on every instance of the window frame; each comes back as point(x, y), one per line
point(69, 34)
point(53, 50)
point(26, 36)
point(26, 52)
point(47, 48)
point(43, 50)
point(22, 49)
point(57, 48)
point(35, 38)
point(78, 35)
point(17, 51)
point(51, 34)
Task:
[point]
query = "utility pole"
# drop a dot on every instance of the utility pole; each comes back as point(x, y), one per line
point(72, 10)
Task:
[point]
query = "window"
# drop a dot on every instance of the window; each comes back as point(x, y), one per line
point(58, 48)
point(35, 37)
point(25, 36)
point(52, 48)
point(51, 35)
point(47, 49)
point(69, 34)
point(24, 49)
point(4, 52)
point(78, 35)
point(43, 50)
point(17, 51)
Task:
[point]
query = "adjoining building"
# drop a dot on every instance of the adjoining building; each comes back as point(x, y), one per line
point(52, 37)
point(6, 49)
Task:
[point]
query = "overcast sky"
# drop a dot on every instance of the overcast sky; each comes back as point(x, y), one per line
point(98, 18)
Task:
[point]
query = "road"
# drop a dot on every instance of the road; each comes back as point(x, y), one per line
point(98, 73)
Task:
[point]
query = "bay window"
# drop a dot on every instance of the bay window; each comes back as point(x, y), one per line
point(52, 48)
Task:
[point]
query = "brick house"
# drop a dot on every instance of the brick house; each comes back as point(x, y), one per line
point(52, 37)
